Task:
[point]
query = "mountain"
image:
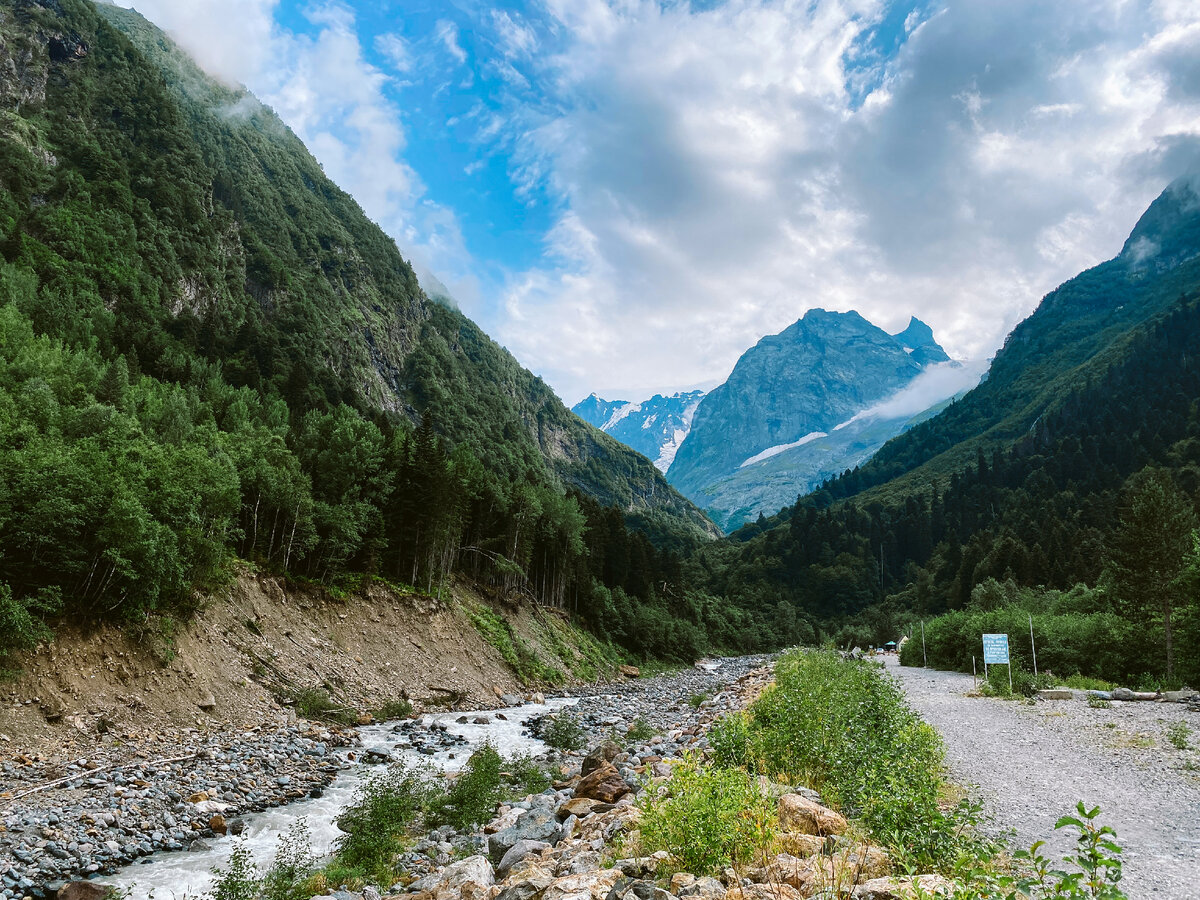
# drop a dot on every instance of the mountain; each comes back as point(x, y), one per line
point(208, 352)
point(654, 428)
point(798, 408)
point(1027, 483)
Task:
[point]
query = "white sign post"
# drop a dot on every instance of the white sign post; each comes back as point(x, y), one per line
point(995, 652)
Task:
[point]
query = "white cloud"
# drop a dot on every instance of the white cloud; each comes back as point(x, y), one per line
point(447, 33)
point(718, 177)
point(327, 91)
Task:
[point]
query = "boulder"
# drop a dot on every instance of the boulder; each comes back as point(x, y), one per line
point(603, 783)
point(580, 806)
point(535, 825)
point(630, 671)
point(518, 852)
point(893, 888)
point(588, 886)
point(801, 844)
point(605, 751)
point(764, 892)
point(702, 889)
point(862, 863)
point(472, 876)
point(217, 824)
point(528, 886)
point(207, 702)
point(1123, 694)
point(631, 889)
point(85, 890)
point(798, 813)
point(1178, 696)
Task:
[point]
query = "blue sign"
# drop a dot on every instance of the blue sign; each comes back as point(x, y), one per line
point(995, 649)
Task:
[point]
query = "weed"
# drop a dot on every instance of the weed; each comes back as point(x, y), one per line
point(708, 818)
point(1099, 702)
point(696, 700)
point(641, 730)
point(239, 879)
point(374, 824)
point(1178, 734)
point(473, 796)
point(315, 703)
point(494, 629)
point(293, 866)
point(564, 732)
point(527, 776)
point(393, 709)
point(1086, 683)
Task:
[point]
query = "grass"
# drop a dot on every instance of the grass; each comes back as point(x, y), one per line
point(1099, 703)
point(708, 818)
point(526, 664)
point(696, 700)
point(1178, 734)
point(393, 709)
point(315, 703)
point(1086, 683)
point(641, 731)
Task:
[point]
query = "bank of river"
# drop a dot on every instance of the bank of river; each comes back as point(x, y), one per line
point(149, 821)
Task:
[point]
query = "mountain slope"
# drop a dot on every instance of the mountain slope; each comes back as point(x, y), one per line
point(1025, 479)
point(654, 428)
point(790, 399)
point(207, 352)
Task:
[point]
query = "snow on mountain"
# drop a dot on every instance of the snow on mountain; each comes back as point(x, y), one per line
point(654, 427)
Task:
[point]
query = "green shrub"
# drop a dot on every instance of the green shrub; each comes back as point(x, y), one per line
point(293, 866)
point(844, 728)
point(393, 709)
point(641, 730)
point(696, 700)
point(527, 775)
point(473, 796)
point(315, 703)
point(1098, 702)
point(564, 732)
point(732, 741)
point(1024, 684)
point(1178, 734)
point(239, 879)
point(708, 818)
point(376, 821)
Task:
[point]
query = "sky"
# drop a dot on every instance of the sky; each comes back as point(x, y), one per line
point(628, 194)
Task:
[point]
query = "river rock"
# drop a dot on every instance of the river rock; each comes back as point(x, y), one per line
point(458, 878)
point(764, 892)
point(802, 845)
point(518, 852)
point(83, 890)
point(1056, 694)
point(580, 807)
point(604, 783)
point(589, 886)
point(217, 824)
point(530, 883)
point(701, 889)
point(894, 888)
point(605, 751)
point(798, 813)
point(1123, 694)
point(535, 825)
point(630, 671)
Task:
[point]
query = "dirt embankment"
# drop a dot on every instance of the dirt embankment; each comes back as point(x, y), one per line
point(251, 642)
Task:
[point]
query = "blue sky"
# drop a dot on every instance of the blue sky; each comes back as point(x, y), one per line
point(629, 193)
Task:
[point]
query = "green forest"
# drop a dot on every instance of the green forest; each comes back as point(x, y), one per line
point(209, 356)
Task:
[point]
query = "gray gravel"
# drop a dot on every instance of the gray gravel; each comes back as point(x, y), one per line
point(1032, 763)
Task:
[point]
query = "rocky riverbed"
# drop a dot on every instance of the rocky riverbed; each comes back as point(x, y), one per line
point(185, 791)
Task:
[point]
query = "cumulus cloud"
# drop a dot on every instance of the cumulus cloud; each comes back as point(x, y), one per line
point(723, 168)
point(327, 91)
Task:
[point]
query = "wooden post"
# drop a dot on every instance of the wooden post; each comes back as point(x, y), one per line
point(1032, 645)
point(924, 655)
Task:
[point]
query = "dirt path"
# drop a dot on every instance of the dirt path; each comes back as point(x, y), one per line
point(1032, 763)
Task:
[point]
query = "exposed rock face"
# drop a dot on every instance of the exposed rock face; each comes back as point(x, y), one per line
point(654, 428)
point(788, 389)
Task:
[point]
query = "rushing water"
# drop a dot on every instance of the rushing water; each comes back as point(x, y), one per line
point(164, 876)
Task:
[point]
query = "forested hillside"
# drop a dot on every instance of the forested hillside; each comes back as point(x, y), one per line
point(208, 352)
point(1071, 464)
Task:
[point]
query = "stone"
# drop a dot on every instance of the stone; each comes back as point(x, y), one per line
point(1123, 694)
point(630, 671)
point(1056, 694)
point(528, 887)
point(764, 892)
point(84, 890)
point(588, 886)
point(893, 888)
point(207, 702)
point(1178, 696)
point(518, 852)
point(604, 784)
point(535, 825)
point(457, 877)
point(861, 863)
point(605, 751)
point(703, 889)
point(217, 824)
point(578, 806)
point(801, 844)
point(798, 813)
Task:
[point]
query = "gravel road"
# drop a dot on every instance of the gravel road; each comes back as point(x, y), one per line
point(1032, 763)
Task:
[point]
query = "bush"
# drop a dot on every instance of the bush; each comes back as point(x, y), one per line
point(376, 822)
point(393, 709)
point(527, 775)
point(844, 728)
point(708, 818)
point(1178, 734)
point(239, 879)
point(293, 866)
point(473, 796)
point(315, 703)
point(641, 730)
point(564, 732)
